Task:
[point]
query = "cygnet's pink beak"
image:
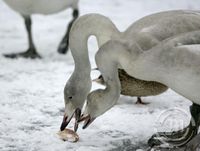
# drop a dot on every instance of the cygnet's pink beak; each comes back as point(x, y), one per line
point(87, 120)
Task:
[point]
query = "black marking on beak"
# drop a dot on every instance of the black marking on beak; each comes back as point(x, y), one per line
point(64, 123)
point(77, 117)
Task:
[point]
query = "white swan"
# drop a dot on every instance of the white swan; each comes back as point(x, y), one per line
point(29, 7)
point(143, 31)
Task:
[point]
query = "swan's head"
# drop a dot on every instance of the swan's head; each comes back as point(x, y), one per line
point(98, 102)
point(75, 93)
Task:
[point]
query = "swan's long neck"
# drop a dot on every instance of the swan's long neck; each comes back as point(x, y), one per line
point(83, 28)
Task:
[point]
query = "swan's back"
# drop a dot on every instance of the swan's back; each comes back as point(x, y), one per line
point(152, 29)
point(28, 7)
point(161, 17)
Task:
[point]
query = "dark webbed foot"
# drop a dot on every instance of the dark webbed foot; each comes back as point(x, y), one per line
point(28, 54)
point(139, 101)
point(181, 137)
point(31, 52)
point(193, 145)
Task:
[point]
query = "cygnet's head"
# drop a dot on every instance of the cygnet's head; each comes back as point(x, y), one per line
point(98, 102)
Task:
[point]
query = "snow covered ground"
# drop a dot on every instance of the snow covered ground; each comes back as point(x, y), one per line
point(31, 91)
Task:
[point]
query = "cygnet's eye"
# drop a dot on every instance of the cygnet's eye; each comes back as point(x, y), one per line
point(70, 97)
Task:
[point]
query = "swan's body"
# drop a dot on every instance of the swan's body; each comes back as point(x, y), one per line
point(145, 33)
point(179, 57)
point(46, 7)
point(131, 86)
point(30, 7)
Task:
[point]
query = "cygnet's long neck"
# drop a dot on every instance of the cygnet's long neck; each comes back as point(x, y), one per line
point(108, 59)
point(113, 88)
point(83, 28)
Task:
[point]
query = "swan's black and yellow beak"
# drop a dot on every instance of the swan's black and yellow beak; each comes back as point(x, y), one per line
point(67, 119)
point(87, 119)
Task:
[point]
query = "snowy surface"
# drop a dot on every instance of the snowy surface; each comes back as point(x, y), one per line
point(31, 91)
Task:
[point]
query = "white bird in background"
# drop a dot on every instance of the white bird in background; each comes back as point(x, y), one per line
point(29, 7)
point(162, 47)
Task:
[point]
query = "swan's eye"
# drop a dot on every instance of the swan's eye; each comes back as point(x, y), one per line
point(70, 97)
